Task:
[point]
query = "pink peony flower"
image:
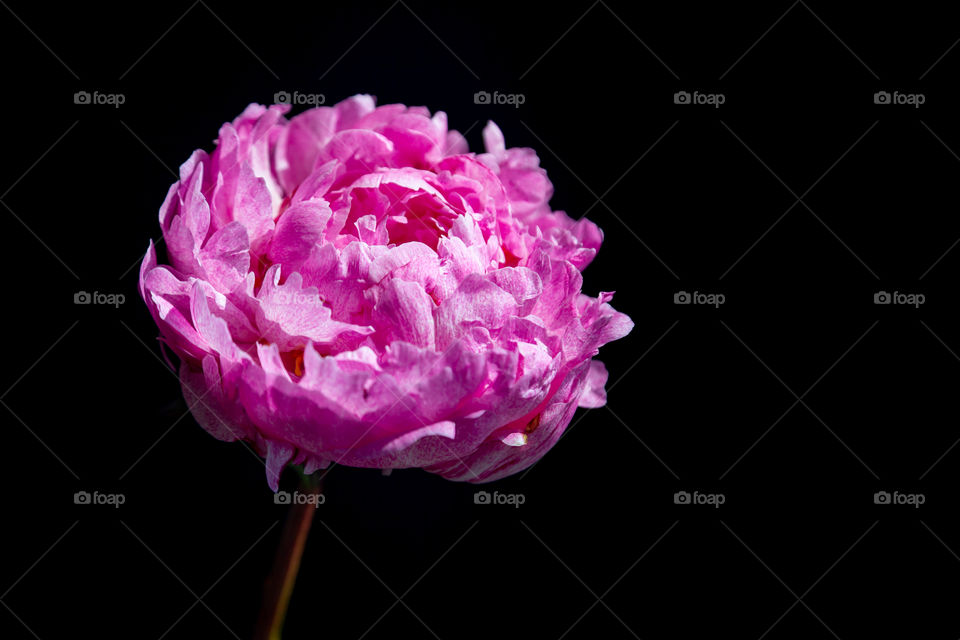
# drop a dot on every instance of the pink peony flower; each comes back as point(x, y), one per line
point(351, 285)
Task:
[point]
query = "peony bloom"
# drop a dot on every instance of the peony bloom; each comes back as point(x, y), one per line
point(351, 285)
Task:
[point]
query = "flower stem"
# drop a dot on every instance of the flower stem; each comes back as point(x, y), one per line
point(286, 564)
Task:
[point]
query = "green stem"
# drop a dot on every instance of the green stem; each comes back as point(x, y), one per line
point(286, 564)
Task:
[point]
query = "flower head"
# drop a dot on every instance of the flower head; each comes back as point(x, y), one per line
point(351, 285)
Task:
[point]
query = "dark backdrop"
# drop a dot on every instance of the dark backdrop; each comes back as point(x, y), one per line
point(794, 402)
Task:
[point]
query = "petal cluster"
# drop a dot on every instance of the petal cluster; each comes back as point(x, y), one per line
point(352, 285)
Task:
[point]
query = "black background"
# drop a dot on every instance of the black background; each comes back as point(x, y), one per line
point(798, 199)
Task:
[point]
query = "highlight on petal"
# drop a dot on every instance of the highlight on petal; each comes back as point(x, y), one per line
point(594, 395)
